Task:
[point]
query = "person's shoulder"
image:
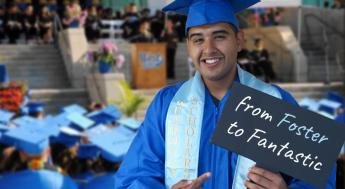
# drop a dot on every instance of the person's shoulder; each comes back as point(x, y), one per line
point(52, 178)
point(286, 96)
point(104, 181)
point(169, 91)
point(164, 96)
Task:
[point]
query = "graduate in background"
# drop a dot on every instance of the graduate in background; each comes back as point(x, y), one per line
point(172, 148)
point(34, 152)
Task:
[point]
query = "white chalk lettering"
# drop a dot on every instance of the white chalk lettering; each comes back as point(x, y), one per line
point(307, 132)
point(284, 150)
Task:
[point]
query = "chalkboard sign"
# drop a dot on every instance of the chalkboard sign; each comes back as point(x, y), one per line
point(279, 136)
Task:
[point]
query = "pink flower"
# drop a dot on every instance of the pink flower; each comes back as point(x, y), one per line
point(120, 59)
point(109, 47)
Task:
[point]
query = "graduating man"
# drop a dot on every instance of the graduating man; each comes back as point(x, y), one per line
point(172, 148)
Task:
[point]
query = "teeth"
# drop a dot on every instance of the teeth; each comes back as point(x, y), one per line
point(211, 61)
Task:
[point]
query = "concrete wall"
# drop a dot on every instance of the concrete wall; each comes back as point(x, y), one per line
point(73, 48)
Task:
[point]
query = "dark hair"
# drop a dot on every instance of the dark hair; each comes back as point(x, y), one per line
point(109, 166)
point(257, 41)
point(13, 163)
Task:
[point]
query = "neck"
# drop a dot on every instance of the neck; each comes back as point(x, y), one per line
point(219, 88)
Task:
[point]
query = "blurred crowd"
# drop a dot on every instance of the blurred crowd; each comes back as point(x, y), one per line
point(34, 21)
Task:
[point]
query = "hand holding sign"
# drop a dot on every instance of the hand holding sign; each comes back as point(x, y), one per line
point(192, 184)
point(279, 136)
point(261, 178)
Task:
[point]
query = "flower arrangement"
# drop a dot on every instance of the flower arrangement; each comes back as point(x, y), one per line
point(12, 95)
point(106, 57)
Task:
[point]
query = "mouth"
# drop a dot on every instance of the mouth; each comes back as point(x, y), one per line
point(211, 61)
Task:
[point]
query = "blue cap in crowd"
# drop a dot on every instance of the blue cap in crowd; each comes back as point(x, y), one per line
point(329, 106)
point(24, 121)
point(310, 104)
point(74, 108)
point(5, 116)
point(79, 121)
point(62, 120)
point(114, 143)
point(130, 123)
point(3, 74)
point(32, 107)
point(88, 151)
point(3, 127)
point(202, 12)
point(335, 96)
point(31, 141)
point(106, 115)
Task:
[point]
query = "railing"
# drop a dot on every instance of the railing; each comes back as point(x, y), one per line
point(112, 28)
point(57, 28)
point(326, 48)
point(326, 45)
point(324, 24)
point(338, 60)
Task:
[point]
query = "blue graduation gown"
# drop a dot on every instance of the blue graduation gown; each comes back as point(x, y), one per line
point(104, 181)
point(41, 179)
point(143, 166)
point(83, 178)
point(341, 118)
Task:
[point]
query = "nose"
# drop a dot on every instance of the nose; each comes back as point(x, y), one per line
point(209, 46)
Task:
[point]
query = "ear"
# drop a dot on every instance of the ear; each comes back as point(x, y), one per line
point(240, 40)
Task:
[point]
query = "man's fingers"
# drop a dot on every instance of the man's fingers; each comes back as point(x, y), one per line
point(260, 180)
point(182, 184)
point(201, 179)
point(251, 185)
point(267, 174)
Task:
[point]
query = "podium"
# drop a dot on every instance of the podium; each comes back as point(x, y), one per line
point(148, 65)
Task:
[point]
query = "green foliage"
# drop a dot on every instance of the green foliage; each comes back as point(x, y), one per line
point(130, 102)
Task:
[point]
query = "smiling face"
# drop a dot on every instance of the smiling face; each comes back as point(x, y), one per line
point(213, 49)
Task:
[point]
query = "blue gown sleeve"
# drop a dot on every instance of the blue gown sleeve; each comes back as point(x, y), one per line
point(297, 184)
point(143, 166)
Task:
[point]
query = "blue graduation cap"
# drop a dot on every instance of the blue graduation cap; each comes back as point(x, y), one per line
point(3, 127)
point(5, 116)
point(310, 104)
point(74, 108)
point(79, 121)
point(88, 151)
point(51, 126)
point(335, 96)
point(130, 123)
point(114, 144)
point(3, 74)
point(202, 12)
point(31, 141)
point(61, 119)
point(32, 107)
point(329, 106)
point(47, 125)
point(106, 115)
point(65, 139)
point(26, 121)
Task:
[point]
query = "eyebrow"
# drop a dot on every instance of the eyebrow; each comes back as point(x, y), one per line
point(213, 33)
